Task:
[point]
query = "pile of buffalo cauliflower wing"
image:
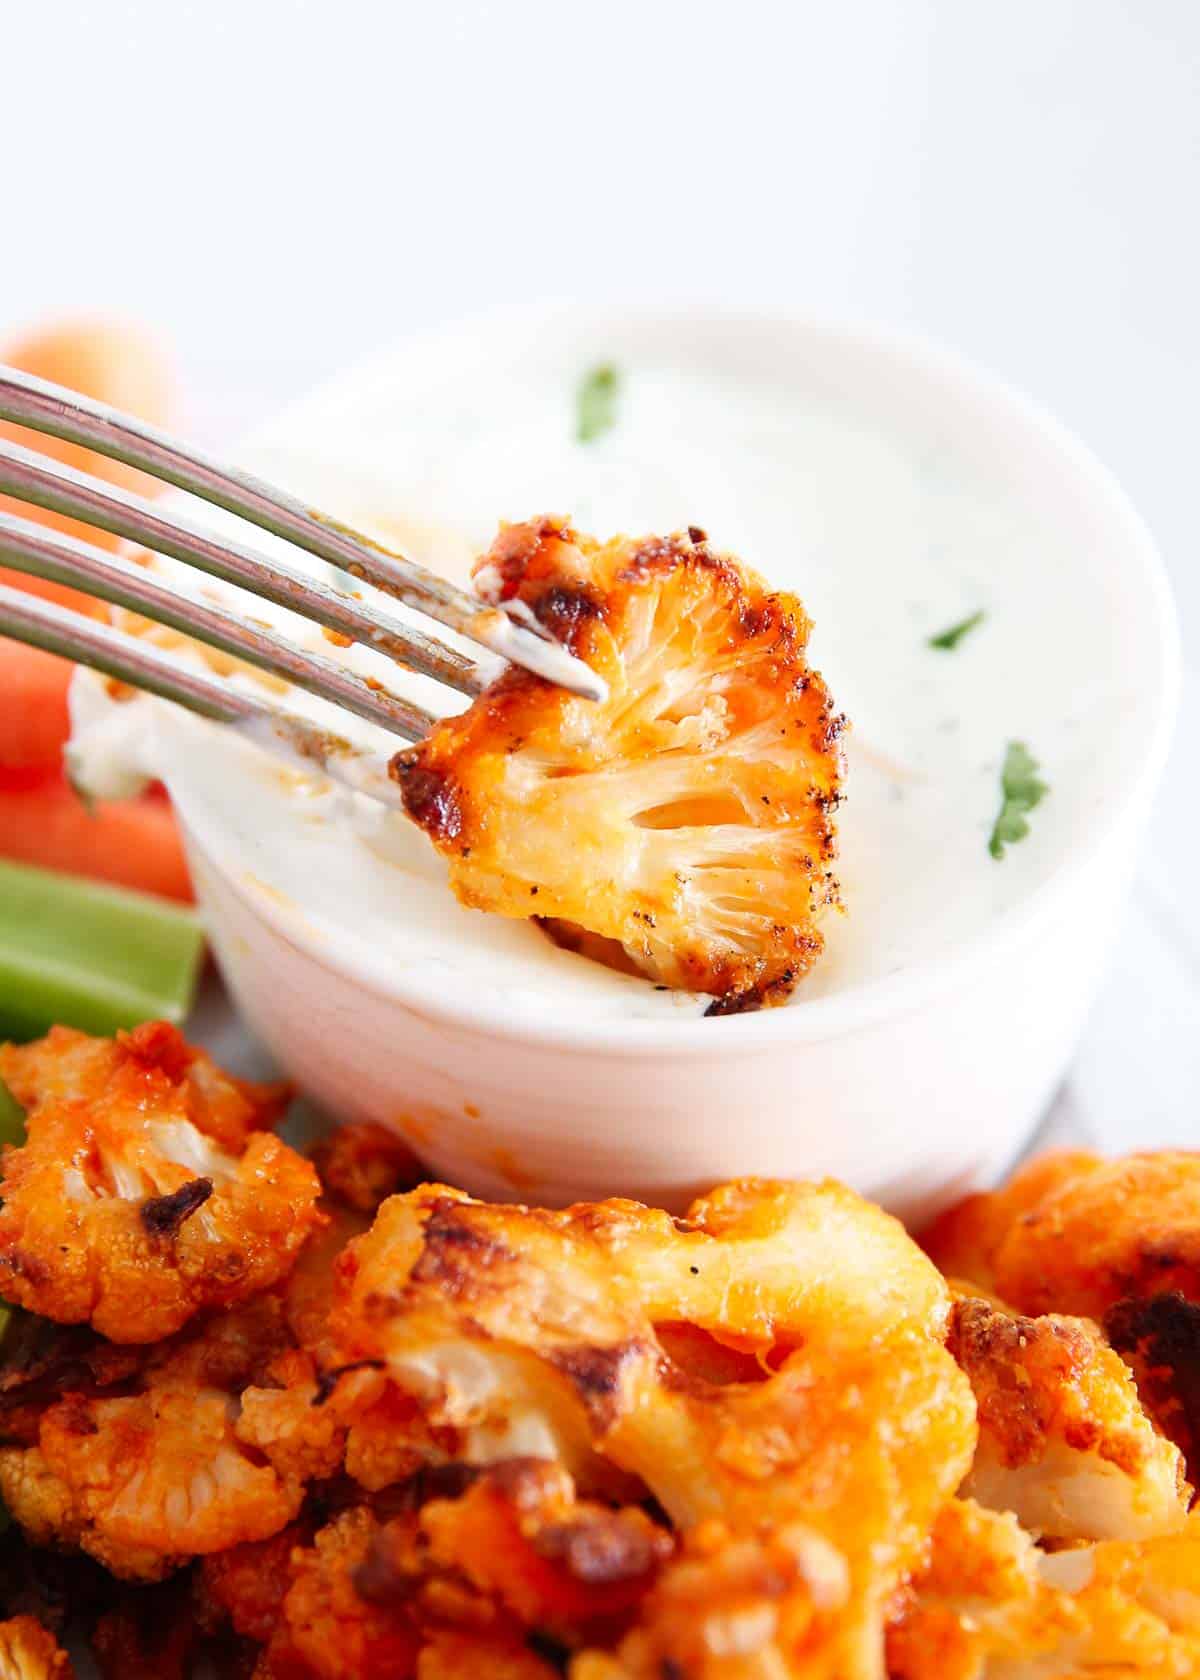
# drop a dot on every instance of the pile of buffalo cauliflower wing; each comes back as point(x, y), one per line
point(290, 1419)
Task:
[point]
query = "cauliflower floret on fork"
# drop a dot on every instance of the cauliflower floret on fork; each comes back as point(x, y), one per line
point(687, 820)
point(147, 1188)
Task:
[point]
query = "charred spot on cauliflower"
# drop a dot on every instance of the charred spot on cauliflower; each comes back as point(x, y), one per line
point(688, 818)
point(147, 1188)
point(1159, 1337)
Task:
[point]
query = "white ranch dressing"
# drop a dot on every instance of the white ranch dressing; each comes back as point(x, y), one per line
point(887, 536)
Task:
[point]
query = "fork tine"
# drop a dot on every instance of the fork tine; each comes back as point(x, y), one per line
point(65, 414)
point(33, 549)
point(88, 641)
point(36, 478)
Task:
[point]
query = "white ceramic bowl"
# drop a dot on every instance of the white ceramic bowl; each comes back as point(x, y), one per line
point(912, 1087)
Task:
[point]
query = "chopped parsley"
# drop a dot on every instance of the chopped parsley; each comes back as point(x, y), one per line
point(948, 639)
point(597, 402)
point(1021, 788)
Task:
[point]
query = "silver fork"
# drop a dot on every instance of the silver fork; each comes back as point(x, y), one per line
point(33, 549)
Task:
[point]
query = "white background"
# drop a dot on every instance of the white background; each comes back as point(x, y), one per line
point(276, 187)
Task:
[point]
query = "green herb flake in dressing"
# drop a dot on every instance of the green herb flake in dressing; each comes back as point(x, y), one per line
point(949, 639)
point(1021, 789)
point(597, 402)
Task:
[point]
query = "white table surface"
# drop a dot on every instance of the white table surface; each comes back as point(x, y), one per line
point(276, 188)
point(1135, 1081)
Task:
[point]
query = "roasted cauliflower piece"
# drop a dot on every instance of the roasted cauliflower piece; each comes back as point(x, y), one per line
point(69, 1066)
point(858, 1446)
point(990, 1606)
point(1063, 1439)
point(316, 1416)
point(361, 1598)
point(1115, 1240)
point(514, 1324)
point(146, 1189)
point(756, 1263)
point(1077, 1233)
point(361, 1165)
point(41, 1361)
point(465, 1656)
point(735, 1607)
point(570, 1569)
point(312, 1422)
point(151, 1471)
point(244, 1587)
point(688, 818)
point(28, 1652)
point(324, 1604)
point(965, 1239)
point(476, 1569)
point(329, 1629)
point(859, 1426)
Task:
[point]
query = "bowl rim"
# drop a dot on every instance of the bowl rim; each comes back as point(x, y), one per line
point(889, 996)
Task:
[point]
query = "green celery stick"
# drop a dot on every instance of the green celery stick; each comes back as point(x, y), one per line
point(90, 956)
